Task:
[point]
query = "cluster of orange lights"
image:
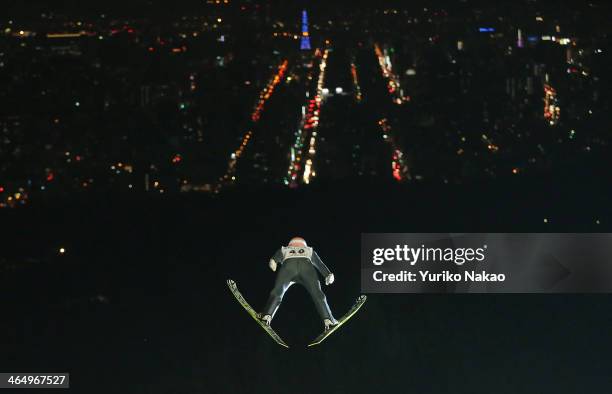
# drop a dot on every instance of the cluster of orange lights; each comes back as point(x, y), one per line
point(310, 123)
point(552, 111)
point(399, 168)
point(287, 34)
point(231, 168)
point(265, 94)
point(396, 165)
point(490, 145)
point(393, 81)
point(11, 200)
point(243, 145)
point(355, 77)
point(20, 197)
point(268, 90)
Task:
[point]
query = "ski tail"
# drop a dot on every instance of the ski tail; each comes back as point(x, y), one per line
point(234, 289)
point(356, 306)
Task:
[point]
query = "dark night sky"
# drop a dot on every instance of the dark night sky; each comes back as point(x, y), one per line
point(171, 325)
point(145, 7)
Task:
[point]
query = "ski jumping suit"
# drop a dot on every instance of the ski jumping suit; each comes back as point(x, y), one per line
point(297, 265)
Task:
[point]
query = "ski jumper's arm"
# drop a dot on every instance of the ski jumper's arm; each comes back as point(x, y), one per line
point(278, 257)
point(320, 265)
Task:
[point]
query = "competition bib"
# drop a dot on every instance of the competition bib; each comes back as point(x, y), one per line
point(290, 252)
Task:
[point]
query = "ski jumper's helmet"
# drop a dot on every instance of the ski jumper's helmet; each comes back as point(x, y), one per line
point(298, 242)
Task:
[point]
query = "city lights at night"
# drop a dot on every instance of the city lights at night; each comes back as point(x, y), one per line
point(435, 80)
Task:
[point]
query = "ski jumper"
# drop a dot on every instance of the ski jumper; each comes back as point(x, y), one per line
point(299, 265)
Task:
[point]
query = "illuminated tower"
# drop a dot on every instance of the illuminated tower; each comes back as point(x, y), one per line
point(305, 42)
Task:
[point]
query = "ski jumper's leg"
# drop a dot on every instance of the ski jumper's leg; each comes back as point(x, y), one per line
point(284, 279)
point(310, 280)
